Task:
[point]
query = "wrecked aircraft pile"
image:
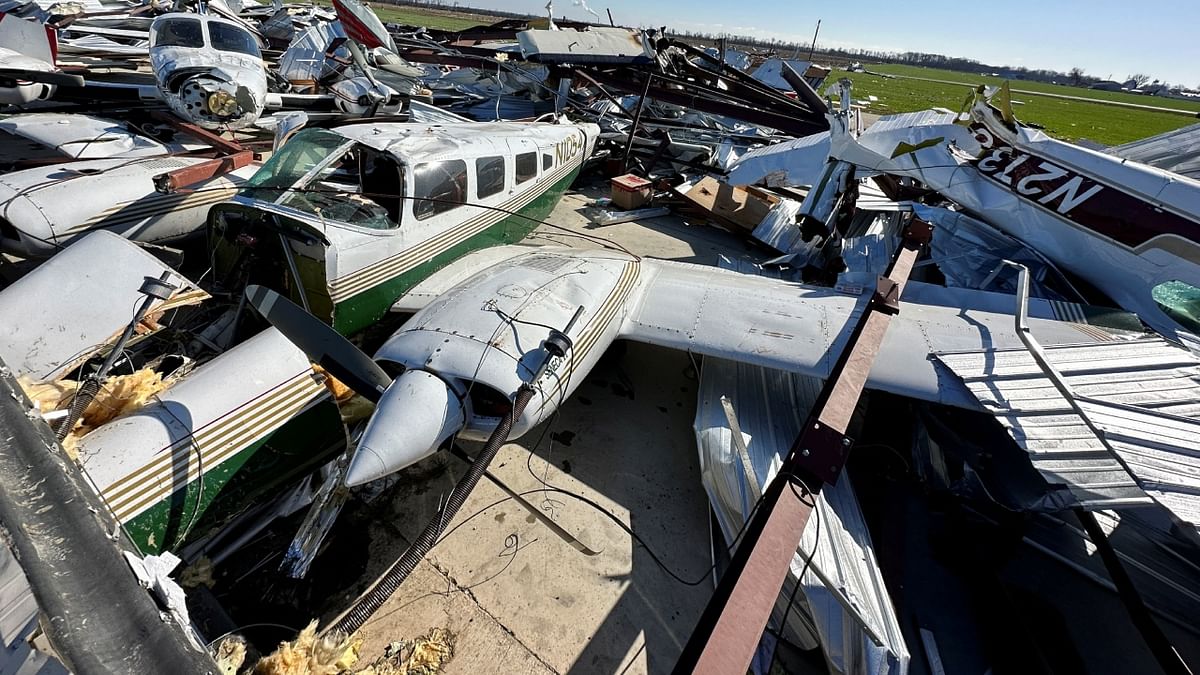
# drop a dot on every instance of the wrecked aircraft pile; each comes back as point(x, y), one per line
point(200, 208)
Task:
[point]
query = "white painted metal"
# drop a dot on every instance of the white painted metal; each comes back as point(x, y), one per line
point(200, 422)
point(416, 414)
point(487, 330)
point(74, 304)
point(361, 257)
point(80, 136)
point(189, 77)
point(941, 155)
point(50, 206)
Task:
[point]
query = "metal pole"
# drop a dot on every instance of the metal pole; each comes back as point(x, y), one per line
point(728, 632)
point(813, 46)
point(637, 118)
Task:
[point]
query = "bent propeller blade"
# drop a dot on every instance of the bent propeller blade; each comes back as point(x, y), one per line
point(322, 344)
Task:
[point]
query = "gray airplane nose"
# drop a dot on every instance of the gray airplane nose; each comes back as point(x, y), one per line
point(417, 412)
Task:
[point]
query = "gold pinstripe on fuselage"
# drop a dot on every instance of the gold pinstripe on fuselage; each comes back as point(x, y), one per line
point(178, 464)
point(359, 281)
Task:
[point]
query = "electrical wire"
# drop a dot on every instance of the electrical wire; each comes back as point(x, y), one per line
point(787, 610)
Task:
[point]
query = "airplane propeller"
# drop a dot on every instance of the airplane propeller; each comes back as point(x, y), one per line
point(325, 346)
point(337, 355)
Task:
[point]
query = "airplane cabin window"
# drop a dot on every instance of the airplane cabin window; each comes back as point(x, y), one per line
point(547, 161)
point(439, 187)
point(227, 38)
point(526, 166)
point(179, 33)
point(1180, 301)
point(489, 172)
point(382, 182)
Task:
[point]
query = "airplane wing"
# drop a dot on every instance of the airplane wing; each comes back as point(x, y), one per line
point(794, 327)
point(453, 274)
point(802, 329)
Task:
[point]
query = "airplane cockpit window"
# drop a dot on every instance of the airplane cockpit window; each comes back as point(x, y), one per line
point(1180, 301)
point(325, 174)
point(489, 172)
point(526, 166)
point(179, 32)
point(547, 161)
point(303, 153)
point(439, 187)
point(227, 38)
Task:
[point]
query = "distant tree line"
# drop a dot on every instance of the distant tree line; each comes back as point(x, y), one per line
point(831, 56)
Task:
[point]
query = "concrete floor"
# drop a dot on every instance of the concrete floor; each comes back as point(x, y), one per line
point(520, 599)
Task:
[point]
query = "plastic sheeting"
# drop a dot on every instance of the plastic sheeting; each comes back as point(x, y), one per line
point(770, 407)
point(971, 254)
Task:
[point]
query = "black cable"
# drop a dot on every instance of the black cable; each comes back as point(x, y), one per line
point(787, 610)
point(546, 486)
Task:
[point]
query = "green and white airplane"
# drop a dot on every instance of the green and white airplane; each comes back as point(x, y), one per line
point(342, 221)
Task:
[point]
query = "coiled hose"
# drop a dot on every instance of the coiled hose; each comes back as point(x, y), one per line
point(372, 600)
point(83, 398)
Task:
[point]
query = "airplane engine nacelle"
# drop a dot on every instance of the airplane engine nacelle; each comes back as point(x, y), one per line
point(44, 208)
point(356, 96)
point(217, 99)
point(479, 342)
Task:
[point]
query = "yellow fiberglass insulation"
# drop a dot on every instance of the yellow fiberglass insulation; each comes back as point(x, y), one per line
point(118, 395)
point(309, 654)
point(312, 655)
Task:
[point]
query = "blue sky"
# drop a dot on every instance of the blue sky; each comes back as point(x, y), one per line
point(1104, 37)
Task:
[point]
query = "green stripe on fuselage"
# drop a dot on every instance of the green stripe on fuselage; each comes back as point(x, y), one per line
point(299, 446)
point(367, 307)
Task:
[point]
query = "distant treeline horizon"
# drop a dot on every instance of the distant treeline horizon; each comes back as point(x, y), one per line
point(833, 56)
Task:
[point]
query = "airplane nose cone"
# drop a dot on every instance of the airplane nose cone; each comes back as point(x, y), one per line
point(414, 416)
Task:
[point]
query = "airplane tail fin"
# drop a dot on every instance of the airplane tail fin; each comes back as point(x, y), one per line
point(31, 38)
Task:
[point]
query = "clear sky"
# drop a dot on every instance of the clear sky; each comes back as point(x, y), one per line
point(1104, 37)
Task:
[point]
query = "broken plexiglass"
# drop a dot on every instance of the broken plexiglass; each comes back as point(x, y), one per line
point(1181, 302)
point(322, 173)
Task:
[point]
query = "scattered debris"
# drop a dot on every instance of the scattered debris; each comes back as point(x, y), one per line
point(310, 654)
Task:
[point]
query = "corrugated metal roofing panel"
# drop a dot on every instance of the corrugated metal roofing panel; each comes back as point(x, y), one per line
point(910, 119)
point(1177, 151)
point(1144, 396)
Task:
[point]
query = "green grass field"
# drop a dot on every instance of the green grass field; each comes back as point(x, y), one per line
point(1045, 87)
point(436, 19)
point(1065, 119)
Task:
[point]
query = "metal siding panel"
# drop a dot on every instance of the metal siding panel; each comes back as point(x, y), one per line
point(1143, 394)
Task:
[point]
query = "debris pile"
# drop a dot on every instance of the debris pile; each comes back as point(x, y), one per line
point(321, 172)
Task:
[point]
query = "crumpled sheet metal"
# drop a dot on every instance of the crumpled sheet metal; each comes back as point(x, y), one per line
point(796, 163)
point(770, 407)
point(71, 306)
point(779, 229)
point(973, 165)
point(971, 254)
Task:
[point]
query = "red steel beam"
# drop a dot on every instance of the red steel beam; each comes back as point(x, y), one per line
point(197, 173)
point(732, 624)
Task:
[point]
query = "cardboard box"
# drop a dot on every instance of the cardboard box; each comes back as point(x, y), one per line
point(630, 192)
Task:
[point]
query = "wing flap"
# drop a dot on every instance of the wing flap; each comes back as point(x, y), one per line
point(802, 329)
